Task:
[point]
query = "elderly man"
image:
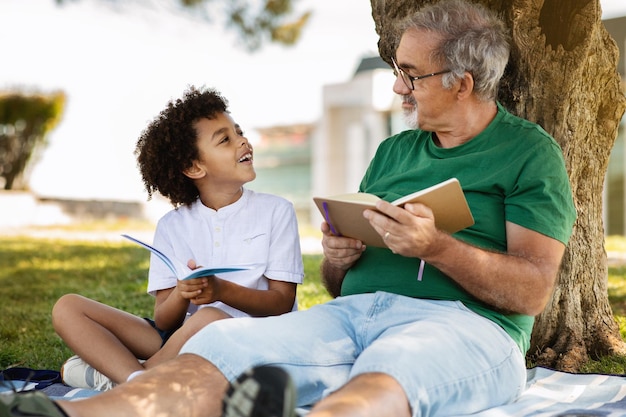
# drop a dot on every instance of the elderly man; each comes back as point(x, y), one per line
point(390, 345)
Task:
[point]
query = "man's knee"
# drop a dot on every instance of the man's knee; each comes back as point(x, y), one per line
point(199, 370)
point(378, 382)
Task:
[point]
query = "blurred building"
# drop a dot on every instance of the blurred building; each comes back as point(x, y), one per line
point(357, 115)
point(282, 161)
point(331, 156)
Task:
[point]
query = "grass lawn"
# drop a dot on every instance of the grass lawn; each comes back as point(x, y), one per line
point(35, 272)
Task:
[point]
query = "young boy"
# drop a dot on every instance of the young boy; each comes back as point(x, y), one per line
point(196, 156)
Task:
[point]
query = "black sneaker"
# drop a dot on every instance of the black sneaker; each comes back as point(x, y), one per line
point(263, 391)
point(28, 403)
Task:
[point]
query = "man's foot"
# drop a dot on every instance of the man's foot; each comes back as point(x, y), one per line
point(77, 373)
point(263, 391)
point(28, 403)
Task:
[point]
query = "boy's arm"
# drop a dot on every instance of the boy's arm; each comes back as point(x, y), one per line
point(279, 298)
point(171, 304)
point(170, 309)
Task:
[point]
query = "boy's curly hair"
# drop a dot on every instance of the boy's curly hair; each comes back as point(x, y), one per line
point(168, 145)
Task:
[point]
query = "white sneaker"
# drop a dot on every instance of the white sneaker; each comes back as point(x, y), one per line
point(77, 373)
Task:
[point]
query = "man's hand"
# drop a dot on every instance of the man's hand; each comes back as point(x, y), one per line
point(340, 252)
point(408, 231)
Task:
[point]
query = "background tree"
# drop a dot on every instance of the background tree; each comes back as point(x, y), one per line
point(25, 120)
point(256, 21)
point(562, 74)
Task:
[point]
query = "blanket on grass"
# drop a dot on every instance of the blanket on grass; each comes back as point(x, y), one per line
point(561, 394)
point(44, 380)
point(548, 393)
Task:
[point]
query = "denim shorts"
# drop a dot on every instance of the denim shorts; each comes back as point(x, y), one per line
point(165, 334)
point(448, 359)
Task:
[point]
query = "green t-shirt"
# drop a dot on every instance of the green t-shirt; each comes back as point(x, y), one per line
point(512, 171)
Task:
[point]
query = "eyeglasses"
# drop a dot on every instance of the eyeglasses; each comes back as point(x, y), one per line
point(409, 79)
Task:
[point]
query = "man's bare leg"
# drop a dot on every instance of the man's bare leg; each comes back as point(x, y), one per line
point(187, 386)
point(367, 395)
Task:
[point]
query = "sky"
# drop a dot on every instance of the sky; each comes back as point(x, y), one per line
point(119, 69)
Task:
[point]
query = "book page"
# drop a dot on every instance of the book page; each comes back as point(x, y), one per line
point(178, 268)
point(356, 197)
point(182, 271)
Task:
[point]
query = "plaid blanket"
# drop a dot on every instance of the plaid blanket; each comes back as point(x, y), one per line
point(548, 393)
point(561, 394)
point(56, 390)
point(44, 380)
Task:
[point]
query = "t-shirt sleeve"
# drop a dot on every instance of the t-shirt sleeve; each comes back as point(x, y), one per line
point(542, 198)
point(285, 256)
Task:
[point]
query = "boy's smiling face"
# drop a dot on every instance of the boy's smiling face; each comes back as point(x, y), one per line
point(225, 155)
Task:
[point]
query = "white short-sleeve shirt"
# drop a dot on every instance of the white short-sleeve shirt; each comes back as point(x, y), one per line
point(258, 229)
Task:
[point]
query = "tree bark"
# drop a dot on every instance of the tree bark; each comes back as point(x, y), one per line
point(562, 74)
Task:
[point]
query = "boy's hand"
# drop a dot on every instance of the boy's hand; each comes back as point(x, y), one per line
point(202, 290)
point(191, 289)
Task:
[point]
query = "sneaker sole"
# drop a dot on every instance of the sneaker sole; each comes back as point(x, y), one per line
point(263, 391)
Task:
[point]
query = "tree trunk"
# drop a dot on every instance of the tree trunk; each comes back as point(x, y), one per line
point(562, 75)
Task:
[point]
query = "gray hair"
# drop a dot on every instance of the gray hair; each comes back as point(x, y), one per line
point(473, 39)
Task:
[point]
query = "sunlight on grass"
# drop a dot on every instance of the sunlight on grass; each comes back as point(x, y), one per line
point(34, 273)
point(121, 225)
point(311, 292)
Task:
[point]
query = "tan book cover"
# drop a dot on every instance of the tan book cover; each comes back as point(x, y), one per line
point(344, 212)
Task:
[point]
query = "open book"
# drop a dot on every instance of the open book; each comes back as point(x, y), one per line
point(344, 213)
point(181, 270)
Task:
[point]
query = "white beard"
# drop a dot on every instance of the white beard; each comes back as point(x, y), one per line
point(411, 118)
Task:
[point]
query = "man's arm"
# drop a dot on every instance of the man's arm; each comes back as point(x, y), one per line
point(520, 280)
point(332, 278)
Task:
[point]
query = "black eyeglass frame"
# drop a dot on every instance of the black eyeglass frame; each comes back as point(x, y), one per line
point(409, 79)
